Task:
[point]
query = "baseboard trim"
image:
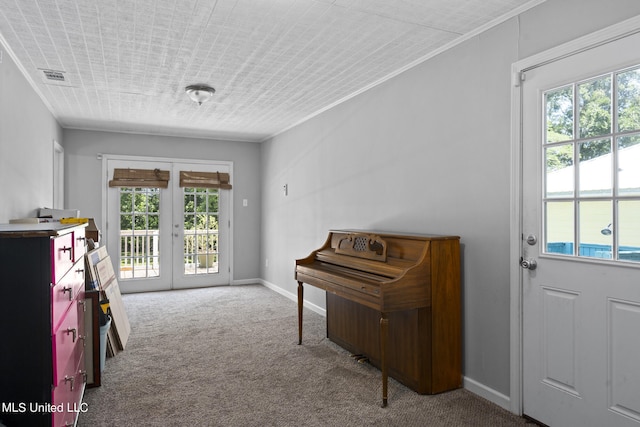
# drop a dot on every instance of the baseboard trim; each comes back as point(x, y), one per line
point(293, 297)
point(488, 393)
point(246, 282)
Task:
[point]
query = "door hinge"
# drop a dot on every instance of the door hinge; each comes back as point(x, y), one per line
point(518, 78)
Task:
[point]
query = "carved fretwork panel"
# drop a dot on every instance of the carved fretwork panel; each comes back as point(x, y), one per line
point(367, 246)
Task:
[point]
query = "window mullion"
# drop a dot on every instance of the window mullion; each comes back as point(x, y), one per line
point(576, 166)
point(614, 169)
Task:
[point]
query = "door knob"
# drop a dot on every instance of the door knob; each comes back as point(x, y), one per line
point(529, 264)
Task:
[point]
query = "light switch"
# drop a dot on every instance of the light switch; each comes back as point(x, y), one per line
point(245, 202)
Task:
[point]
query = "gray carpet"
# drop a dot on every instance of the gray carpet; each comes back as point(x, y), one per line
point(228, 356)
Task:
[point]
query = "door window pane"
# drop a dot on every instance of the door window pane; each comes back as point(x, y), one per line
point(200, 230)
point(629, 165)
point(629, 230)
point(559, 171)
point(628, 100)
point(591, 166)
point(559, 107)
point(596, 239)
point(594, 103)
point(139, 232)
point(559, 220)
point(595, 168)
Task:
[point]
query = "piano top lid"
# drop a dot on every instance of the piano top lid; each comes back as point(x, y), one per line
point(401, 235)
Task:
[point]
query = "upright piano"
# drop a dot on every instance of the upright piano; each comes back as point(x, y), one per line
point(394, 299)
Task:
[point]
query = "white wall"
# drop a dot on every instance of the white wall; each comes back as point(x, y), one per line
point(27, 132)
point(426, 152)
point(84, 179)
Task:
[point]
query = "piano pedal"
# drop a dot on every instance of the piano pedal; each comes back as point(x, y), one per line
point(360, 358)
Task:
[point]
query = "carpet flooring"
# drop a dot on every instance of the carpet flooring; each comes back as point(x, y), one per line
point(228, 356)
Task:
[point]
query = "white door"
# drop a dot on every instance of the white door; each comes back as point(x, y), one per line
point(168, 238)
point(581, 225)
point(200, 230)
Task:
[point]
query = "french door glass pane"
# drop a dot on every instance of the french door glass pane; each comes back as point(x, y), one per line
point(596, 239)
point(629, 231)
point(200, 230)
point(139, 232)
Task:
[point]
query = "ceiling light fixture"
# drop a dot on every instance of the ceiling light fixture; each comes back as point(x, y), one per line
point(200, 93)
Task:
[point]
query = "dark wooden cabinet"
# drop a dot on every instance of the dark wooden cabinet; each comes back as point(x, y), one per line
point(42, 333)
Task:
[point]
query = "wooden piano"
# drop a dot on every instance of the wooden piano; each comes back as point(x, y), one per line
point(395, 299)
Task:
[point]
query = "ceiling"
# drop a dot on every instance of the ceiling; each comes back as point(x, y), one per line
point(273, 63)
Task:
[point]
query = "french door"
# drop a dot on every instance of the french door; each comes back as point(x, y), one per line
point(581, 238)
point(168, 238)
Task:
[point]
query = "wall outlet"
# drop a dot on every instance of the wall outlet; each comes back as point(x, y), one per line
point(266, 262)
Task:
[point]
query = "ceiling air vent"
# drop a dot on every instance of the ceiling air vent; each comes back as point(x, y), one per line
point(57, 76)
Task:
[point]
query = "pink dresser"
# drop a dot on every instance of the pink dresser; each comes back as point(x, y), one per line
point(42, 335)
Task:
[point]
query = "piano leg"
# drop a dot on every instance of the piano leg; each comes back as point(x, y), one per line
point(384, 334)
point(300, 304)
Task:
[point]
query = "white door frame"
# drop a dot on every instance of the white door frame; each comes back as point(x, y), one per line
point(105, 183)
point(606, 35)
point(58, 175)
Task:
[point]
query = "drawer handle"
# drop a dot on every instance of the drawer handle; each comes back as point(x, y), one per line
point(70, 290)
point(65, 249)
point(73, 331)
point(68, 379)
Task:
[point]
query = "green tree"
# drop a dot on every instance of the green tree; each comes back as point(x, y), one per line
point(629, 100)
point(559, 157)
point(594, 103)
point(139, 208)
point(559, 109)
